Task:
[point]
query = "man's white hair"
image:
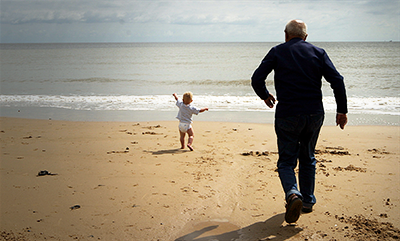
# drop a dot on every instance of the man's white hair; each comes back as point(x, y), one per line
point(296, 28)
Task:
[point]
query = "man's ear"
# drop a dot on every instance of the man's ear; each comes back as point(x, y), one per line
point(305, 37)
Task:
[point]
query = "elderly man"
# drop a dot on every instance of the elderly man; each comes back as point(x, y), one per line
point(299, 67)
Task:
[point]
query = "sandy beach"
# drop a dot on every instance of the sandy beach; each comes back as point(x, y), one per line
point(65, 180)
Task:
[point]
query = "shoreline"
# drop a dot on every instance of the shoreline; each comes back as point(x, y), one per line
point(264, 117)
point(130, 181)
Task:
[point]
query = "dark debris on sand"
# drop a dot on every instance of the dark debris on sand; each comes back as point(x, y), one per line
point(369, 229)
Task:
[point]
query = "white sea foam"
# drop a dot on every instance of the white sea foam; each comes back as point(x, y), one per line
point(356, 105)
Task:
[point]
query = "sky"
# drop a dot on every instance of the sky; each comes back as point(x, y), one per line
point(54, 21)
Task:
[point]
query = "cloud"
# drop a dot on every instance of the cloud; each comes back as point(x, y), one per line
point(172, 12)
point(207, 19)
point(190, 20)
point(55, 12)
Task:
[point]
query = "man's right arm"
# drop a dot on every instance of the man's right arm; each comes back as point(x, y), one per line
point(260, 75)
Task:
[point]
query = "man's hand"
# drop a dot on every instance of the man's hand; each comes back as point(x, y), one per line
point(270, 101)
point(341, 120)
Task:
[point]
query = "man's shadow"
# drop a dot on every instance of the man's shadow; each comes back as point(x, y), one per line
point(169, 151)
point(271, 229)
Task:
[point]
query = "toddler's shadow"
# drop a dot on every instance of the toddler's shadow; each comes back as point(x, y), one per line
point(169, 151)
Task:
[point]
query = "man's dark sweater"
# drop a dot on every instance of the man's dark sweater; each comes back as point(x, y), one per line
point(299, 67)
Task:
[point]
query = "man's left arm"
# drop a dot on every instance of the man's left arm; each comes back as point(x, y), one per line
point(339, 90)
point(341, 120)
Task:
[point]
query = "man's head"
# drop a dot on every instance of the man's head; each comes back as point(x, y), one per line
point(295, 29)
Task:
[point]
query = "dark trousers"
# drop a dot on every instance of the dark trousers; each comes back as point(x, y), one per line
point(297, 137)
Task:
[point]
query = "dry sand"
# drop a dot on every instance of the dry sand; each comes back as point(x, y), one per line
point(130, 181)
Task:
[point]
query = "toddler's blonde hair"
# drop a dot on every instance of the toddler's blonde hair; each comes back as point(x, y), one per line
point(187, 97)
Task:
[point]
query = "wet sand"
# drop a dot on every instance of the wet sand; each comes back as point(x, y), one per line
point(131, 181)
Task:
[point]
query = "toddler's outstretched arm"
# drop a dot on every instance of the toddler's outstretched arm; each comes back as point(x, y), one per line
point(176, 97)
point(204, 109)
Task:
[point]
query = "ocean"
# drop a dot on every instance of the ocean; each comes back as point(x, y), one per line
point(135, 81)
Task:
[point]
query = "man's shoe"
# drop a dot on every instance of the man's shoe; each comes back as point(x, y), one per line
point(306, 209)
point(293, 209)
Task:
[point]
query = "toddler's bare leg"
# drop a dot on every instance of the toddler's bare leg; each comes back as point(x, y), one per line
point(191, 137)
point(182, 139)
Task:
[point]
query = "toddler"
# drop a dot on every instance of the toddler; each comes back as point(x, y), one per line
point(185, 118)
